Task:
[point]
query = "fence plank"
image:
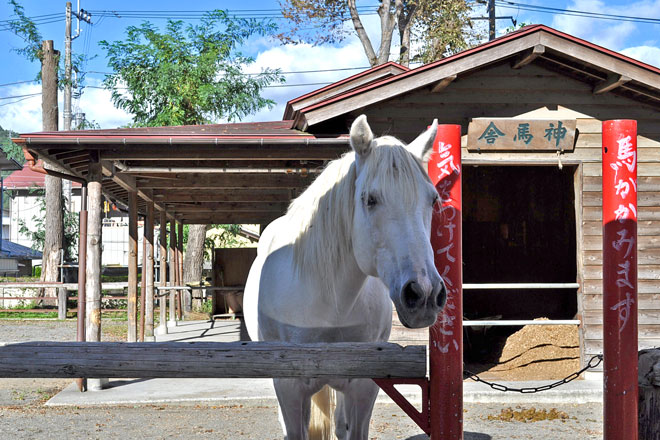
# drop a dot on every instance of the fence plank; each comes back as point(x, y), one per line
point(209, 360)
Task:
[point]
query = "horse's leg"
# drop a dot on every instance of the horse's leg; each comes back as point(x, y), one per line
point(295, 397)
point(341, 427)
point(359, 396)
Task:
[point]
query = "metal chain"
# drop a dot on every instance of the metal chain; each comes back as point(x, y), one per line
point(593, 363)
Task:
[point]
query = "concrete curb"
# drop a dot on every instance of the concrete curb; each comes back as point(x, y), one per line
point(181, 391)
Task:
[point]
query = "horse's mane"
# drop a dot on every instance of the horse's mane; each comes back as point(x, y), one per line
point(322, 215)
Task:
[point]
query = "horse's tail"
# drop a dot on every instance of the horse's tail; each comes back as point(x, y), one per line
point(322, 420)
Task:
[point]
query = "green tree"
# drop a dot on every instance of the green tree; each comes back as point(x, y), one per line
point(12, 150)
point(184, 76)
point(187, 76)
point(37, 235)
point(442, 26)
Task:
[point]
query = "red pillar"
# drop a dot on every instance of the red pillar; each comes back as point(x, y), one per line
point(446, 335)
point(620, 279)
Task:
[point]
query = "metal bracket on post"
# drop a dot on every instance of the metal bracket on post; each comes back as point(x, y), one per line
point(422, 419)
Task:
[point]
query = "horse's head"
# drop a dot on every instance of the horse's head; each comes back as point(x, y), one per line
point(394, 200)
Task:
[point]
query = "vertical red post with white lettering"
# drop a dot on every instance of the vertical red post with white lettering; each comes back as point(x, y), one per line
point(620, 279)
point(446, 335)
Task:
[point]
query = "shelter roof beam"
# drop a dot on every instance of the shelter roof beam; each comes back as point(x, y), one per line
point(611, 83)
point(222, 195)
point(233, 152)
point(529, 56)
point(198, 181)
point(128, 183)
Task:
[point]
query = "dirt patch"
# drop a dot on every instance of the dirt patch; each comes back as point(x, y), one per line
point(526, 415)
point(536, 352)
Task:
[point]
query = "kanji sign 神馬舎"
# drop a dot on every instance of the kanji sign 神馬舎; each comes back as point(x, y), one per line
point(521, 134)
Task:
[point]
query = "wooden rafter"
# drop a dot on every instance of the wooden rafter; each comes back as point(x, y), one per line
point(529, 56)
point(612, 82)
point(443, 83)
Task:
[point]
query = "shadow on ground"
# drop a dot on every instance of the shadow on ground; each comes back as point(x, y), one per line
point(466, 436)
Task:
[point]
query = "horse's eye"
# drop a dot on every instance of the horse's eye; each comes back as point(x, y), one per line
point(371, 201)
point(436, 199)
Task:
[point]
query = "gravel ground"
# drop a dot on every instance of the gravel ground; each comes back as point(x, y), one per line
point(23, 415)
point(258, 420)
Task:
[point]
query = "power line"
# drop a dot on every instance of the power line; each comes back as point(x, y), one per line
point(19, 100)
point(18, 82)
point(574, 13)
point(339, 69)
point(266, 87)
point(20, 96)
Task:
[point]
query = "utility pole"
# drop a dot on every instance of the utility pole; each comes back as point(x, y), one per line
point(491, 20)
point(85, 16)
point(68, 80)
point(66, 117)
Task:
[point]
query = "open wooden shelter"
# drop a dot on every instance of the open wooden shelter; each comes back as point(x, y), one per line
point(532, 211)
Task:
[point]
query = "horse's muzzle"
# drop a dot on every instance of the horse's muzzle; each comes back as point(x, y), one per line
point(419, 305)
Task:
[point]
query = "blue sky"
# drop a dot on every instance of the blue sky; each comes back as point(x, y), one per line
point(639, 40)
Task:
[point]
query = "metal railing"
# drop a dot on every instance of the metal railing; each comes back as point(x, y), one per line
point(518, 286)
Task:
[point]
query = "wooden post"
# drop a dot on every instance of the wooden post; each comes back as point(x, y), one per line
point(143, 282)
point(52, 185)
point(162, 299)
point(93, 269)
point(82, 276)
point(186, 295)
point(446, 335)
point(132, 266)
point(620, 332)
point(149, 274)
point(172, 258)
point(62, 297)
point(177, 273)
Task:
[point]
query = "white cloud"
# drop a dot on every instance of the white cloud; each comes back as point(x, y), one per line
point(611, 34)
point(645, 54)
point(306, 57)
point(98, 107)
point(24, 115)
point(21, 115)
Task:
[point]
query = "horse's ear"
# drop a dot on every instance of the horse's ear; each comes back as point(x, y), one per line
point(420, 146)
point(361, 136)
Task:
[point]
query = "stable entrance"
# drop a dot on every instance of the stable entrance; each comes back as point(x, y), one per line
point(518, 227)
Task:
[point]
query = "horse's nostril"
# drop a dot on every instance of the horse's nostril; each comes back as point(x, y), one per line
point(412, 294)
point(441, 298)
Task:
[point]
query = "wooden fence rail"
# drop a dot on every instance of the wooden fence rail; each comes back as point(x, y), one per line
point(210, 360)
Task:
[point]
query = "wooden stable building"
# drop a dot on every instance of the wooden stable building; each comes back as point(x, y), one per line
point(530, 105)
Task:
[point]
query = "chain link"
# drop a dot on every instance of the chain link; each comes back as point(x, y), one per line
point(593, 363)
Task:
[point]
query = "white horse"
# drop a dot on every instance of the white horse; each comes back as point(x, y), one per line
point(328, 270)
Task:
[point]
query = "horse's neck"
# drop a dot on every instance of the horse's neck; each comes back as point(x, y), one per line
point(342, 292)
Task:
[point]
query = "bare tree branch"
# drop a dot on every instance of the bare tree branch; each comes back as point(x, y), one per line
point(362, 33)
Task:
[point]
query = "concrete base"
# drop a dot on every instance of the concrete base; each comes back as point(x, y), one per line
point(160, 330)
point(149, 339)
point(147, 391)
point(171, 323)
point(97, 384)
point(593, 375)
